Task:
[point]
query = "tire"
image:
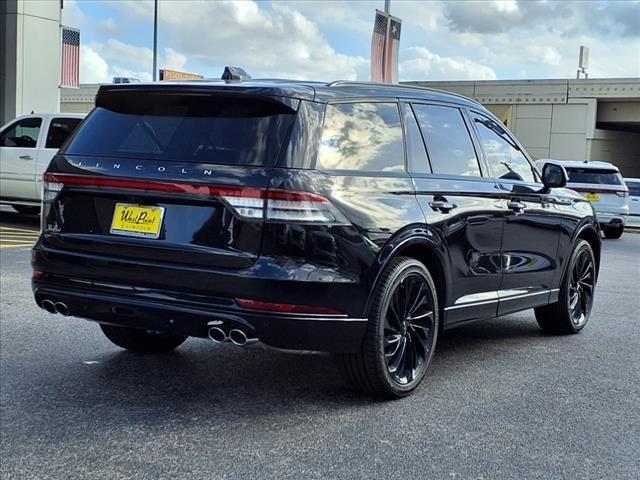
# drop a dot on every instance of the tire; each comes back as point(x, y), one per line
point(391, 345)
point(571, 312)
point(142, 341)
point(26, 209)
point(613, 232)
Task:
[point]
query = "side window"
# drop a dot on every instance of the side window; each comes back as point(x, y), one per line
point(447, 139)
point(505, 159)
point(416, 153)
point(59, 130)
point(362, 136)
point(24, 133)
point(634, 189)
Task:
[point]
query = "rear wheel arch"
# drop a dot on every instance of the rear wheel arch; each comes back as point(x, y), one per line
point(424, 251)
point(590, 234)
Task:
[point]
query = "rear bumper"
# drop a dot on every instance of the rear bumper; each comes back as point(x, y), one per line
point(612, 219)
point(107, 291)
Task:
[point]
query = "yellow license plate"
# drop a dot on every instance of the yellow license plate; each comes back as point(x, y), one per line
point(137, 220)
point(593, 197)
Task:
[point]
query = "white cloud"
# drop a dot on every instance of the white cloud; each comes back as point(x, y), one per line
point(93, 68)
point(278, 43)
point(72, 16)
point(426, 65)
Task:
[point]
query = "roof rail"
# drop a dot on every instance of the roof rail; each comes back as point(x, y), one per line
point(346, 83)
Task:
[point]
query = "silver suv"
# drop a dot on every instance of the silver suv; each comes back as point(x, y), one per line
point(601, 184)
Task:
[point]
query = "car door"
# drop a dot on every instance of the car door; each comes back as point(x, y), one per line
point(18, 156)
point(533, 221)
point(57, 132)
point(461, 203)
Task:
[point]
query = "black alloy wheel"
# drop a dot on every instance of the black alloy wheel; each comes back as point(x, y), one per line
point(408, 328)
point(575, 300)
point(401, 334)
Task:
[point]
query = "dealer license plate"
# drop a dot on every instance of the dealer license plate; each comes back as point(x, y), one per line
point(593, 197)
point(137, 220)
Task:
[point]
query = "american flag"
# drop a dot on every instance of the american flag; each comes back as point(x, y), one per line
point(378, 45)
point(70, 75)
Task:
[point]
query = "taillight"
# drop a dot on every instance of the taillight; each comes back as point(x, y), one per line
point(248, 203)
point(51, 186)
point(286, 307)
point(623, 193)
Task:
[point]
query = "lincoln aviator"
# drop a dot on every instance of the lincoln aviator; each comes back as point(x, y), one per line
point(352, 218)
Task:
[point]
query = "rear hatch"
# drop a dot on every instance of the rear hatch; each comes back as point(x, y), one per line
point(603, 187)
point(168, 175)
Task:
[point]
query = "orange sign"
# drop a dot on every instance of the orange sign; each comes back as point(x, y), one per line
point(175, 75)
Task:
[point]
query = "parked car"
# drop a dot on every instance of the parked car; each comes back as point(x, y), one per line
point(352, 218)
point(633, 184)
point(27, 145)
point(601, 184)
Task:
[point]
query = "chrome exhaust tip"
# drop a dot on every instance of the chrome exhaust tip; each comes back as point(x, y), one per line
point(48, 305)
point(217, 335)
point(238, 337)
point(62, 308)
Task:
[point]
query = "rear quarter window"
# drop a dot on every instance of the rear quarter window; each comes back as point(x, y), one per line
point(362, 136)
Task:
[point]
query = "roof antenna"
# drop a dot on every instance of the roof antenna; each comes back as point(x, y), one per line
point(235, 74)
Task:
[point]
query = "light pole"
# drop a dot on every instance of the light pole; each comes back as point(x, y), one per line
point(155, 40)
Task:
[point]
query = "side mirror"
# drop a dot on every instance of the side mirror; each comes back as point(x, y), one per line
point(554, 176)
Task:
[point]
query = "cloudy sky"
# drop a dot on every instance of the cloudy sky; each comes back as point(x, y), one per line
point(328, 40)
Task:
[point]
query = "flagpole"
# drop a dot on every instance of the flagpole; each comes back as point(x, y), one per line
point(387, 6)
point(155, 39)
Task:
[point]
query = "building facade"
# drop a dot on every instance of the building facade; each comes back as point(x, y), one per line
point(29, 57)
point(588, 119)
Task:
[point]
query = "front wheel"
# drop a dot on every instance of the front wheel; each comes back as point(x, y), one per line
point(142, 341)
point(571, 312)
point(401, 333)
point(613, 232)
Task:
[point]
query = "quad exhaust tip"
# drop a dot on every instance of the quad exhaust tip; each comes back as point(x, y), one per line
point(61, 308)
point(217, 335)
point(48, 305)
point(55, 307)
point(238, 337)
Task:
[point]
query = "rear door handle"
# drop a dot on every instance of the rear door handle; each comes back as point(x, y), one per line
point(516, 206)
point(442, 205)
point(25, 157)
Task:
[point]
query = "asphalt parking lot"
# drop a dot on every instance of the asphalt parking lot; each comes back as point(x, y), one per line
point(502, 400)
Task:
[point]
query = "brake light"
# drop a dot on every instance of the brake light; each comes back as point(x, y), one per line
point(623, 193)
point(248, 203)
point(286, 307)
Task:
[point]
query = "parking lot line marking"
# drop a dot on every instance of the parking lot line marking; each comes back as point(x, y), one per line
point(19, 240)
point(17, 246)
point(19, 234)
point(13, 229)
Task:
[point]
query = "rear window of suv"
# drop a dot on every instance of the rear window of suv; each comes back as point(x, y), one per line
point(204, 129)
point(602, 176)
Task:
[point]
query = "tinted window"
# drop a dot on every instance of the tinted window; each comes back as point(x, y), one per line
point(634, 188)
point(506, 161)
point(207, 129)
point(59, 131)
point(448, 142)
point(24, 133)
point(362, 136)
point(594, 175)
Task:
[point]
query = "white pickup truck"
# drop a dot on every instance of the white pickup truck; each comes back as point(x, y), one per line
point(27, 145)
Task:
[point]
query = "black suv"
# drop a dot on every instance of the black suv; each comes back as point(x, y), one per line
point(352, 218)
